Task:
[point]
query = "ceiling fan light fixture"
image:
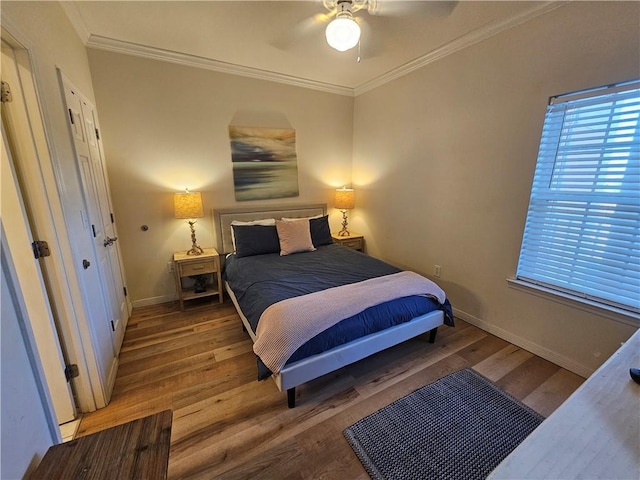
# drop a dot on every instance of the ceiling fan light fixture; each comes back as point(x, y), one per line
point(343, 33)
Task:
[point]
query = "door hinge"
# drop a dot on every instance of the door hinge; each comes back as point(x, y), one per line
point(113, 327)
point(93, 229)
point(40, 249)
point(125, 291)
point(6, 96)
point(71, 371)
point(98, 134)
point(71, 117)
point(112, 220)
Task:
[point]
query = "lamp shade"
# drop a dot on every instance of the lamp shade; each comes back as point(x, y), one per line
point(344, 199)
point(188, 205)
point(343, 33)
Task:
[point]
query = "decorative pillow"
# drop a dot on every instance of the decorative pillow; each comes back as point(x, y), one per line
point(319, 226)
point(320, 232)
point(255, 240)
point(294, 236)
point(263, 221)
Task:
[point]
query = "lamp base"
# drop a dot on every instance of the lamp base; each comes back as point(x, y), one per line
point(344, 232)
point(195, 248)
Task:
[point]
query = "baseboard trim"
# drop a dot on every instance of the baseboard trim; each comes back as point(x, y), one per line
point(145, 302)
point(550, 355)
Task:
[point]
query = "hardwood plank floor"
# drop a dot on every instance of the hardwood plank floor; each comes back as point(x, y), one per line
point(226, 424)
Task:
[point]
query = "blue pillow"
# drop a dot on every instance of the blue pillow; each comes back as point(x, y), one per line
point(320, 232)
point(255, 240)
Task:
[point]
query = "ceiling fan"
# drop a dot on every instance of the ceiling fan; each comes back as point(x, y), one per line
point(343, 31)
point(344, 21)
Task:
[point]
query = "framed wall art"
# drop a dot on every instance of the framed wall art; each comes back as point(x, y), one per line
point(265, 164)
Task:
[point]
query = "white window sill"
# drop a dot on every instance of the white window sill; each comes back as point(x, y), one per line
point(613, 313)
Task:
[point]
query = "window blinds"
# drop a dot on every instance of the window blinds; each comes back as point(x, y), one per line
point(582, 234)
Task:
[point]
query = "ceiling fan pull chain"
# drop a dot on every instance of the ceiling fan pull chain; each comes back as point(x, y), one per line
point(358, 60)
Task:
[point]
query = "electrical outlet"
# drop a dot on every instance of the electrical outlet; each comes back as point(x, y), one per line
point(437, 270)
point(170, 268)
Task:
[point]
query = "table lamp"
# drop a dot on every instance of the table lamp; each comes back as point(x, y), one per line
point(188, 206)
point(344, 200)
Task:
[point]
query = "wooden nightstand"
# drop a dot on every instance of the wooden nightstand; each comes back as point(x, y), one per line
point(353, 240)
point(190, 265)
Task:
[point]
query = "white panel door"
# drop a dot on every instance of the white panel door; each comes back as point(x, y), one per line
point(17, 235)
point(101, 297)
point(114, 273)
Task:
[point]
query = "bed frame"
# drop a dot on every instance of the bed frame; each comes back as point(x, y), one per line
point(309, 368)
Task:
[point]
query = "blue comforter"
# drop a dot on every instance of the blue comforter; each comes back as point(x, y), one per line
point(262, 280)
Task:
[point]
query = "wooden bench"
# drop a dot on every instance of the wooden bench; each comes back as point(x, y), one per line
point(138, 449)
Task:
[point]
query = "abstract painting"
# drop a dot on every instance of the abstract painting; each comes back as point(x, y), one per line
point(264, 162)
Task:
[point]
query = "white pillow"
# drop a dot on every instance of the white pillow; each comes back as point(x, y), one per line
point(294, 237)
point(264, 221)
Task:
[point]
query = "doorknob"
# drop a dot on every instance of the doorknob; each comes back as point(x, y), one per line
point(86, 263)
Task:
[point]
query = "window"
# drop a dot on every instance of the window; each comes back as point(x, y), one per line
point(582, 234)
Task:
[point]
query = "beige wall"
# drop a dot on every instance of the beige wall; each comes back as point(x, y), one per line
point(444, 159)
point(165, 128)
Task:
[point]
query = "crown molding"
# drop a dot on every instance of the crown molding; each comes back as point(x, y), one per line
point(458, 44)
point(464, 41)
point(119, 46)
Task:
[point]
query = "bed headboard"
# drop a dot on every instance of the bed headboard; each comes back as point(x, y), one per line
point(223, 217)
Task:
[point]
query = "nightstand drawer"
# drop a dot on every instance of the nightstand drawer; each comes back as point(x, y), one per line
point(197, 268)
point(356, 243)
point(353, 240)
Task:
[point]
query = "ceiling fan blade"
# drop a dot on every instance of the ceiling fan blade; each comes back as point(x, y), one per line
point(411, 7)
point(287, 39)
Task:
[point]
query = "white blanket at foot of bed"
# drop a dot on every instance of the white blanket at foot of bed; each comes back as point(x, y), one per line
point(287, 325)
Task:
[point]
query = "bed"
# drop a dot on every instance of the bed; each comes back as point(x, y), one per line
point(325, 306)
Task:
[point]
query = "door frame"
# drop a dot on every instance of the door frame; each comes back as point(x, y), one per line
point(75, 336)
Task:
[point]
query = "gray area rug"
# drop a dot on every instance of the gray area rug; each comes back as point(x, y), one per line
point(460, 427)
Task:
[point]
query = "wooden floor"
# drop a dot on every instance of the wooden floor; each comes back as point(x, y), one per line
point(226, 424)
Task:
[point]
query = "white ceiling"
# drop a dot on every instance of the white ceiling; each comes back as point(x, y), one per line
point(284, 40)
